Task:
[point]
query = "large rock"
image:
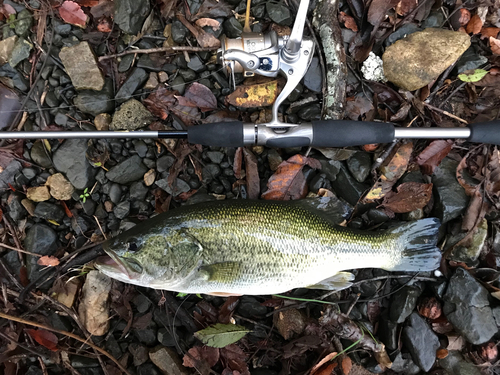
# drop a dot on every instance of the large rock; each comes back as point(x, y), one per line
point(468, 309)
point(421, 342)
point(130, 14)
point(20, 52)
point(131, 115)
point(455, 364)
point(469, 253)
point(133, 82)
point(70, 159)
point(403, 303)
point(127, 171)
point(81, 66)
point(96, 102)
point(42, 240)
point(6, 47)
point(421, 57)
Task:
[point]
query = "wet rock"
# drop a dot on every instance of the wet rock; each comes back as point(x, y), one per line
point(313, 78)
point(146, 63)
point(331, 168)
point(60, 188)
point(496, 315)
point(279, 13)
point(310, 113)
point(451, 198)
point(471, 59)
point(127, 171)
point(403, 303)
point(102, 121)
point(122, 210)
point(81, 65)
point(179, 84)
point(232, 27)
point(421, 342)
point(23, 23)
point(115, 193)
point(210, 171)
point(215, 156)
point(179, 187)
point(126, 63)
point(134, 81)
point(179, 32)
point(130, 14)
point(42, 240)
point(421, 57)
point(152, 81)
point(96, 102)
point(250, 307)
point(360, 165)
point(168, 361)
point(196, 64)
point(131, 115)
point(274, 159)
point(470, 254)
point(147, 369)
point(20, 52)
point(165, 338)
point(94, 306)
point(6, 48)
point(347, 187)
point(39, 155)
point(49, 211)
point(468, 309)
point(38, 193)
point(164, 163)
point(435, 19)
point(70, 159)
point(16, 210)
point(401, 32)
point(404, 364)
point(139, 353)
point(455, 364)
point(33, 370)
point(113, 347)
point(388, 332)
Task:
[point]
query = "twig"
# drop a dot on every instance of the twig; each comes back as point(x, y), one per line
point(446, 113)
point(462, 85)
point(351, 306)
point(12, 231)
point(65, 333)
point(20, 250)
point(159, 49)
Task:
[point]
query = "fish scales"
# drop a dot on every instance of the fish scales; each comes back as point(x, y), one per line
point(254, 247)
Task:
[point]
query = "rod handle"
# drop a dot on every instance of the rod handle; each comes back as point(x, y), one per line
point(343, 133)
point(220, 134)
point(485, 132)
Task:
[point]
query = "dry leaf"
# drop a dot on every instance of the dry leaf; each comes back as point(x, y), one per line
point(288, 181)
point(214, 24)
point(72, 13)
point(410, 196)
point(253, 96)
point(201, 353)
point(487, 32)
point(44, 338)
point(429, 307)
point(252, 174)
point(238, 159)
point(346, 365)
point(455, 342)
point(475, 25)
point(433, 154)
point(441, 353)
point(326, 359)
point(49, 261)
point(348, 21)
point(405, 6)
point(201, 96)
point(495, 45)
point(378, 10)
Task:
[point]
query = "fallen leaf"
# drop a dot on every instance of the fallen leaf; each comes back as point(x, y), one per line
point(357, 107)
point(327, 369)
point(213, 9)
point(430, 307)
point(487, 32)
point(441, 353)
point(288, 181)
point(60, 188)
point(201, 96)
point(252, 174)
point(378, 10)
point(475, 76)
point(48, 261)
point(475, 25)
point(214, 24)
point(201, 353)
point(221, 335)
point(73, 14)
point(238, 161)
point(227, 310)
point(462, 16)
point(105, 25)
point(94, 306)
point(44, 338)
point(346, 365)
point(405, 6)
point(253, 96)
point(235, 359)
point(88, 3)
point(325, 359)
point(65, 290)
point(433, 154)
point(495, 45)
point(348, 21)
point(204, 39)
point(410, 196)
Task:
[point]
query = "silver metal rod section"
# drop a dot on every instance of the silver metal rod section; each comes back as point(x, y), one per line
point(428, 133)
point(294, 42)
point(91, 134)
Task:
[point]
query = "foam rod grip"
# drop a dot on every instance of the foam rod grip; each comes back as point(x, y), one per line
point(341, 133)
point(222, 134)
point(485, 132)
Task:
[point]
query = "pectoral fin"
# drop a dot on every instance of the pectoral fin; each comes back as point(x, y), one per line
point(222, 272)
point(339, 281)
point(223, 294)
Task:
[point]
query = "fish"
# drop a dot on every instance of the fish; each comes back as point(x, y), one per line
point(243, 247)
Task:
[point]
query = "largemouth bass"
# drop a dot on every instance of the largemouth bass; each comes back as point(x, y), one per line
point(237, 247)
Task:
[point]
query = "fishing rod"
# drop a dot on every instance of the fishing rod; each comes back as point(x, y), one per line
point(271, 55)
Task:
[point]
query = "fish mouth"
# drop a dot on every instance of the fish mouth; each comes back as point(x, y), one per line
point(113, 263)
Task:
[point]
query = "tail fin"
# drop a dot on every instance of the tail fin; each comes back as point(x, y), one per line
point(418, 240)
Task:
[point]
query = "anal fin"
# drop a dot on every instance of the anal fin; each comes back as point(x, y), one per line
point(339, 281)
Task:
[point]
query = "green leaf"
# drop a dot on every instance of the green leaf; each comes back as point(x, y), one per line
point(221, 335)
point(181, 295)
point(473, 77)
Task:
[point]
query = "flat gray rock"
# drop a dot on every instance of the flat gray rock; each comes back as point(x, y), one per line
point(70, 159)
point(421, 341)
point(127, 171)
point(81, 66)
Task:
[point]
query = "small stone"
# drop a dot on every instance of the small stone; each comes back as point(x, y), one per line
point(94, 306)
point(147, 63)
point(140, 147)
point(373, 69)
point(139, 353)
point(471, 59)
point(38, 194)
point(289, 323)
point(20, 52)
point(39, 155)
point(401, 32)
point(147, 369)
point(81, 65)
point(178, 84)
point(215, 156)
point(127, 171)
point(115, 193)
point(152, 81)
point(196, 64)
point(23, 23)
point(168, 361)
point(131, 115)
point(70, 159)
point(49, 211)
point(454, 363)
point(360, 165)
point(179, 32)
point(16, 210)
point(167, 33)
point(165, 338)
point(42, 240)
point(6, 48)
point(134, 81)
point(96, 102)
point(403, 303)
point(122, 210)
point(61, 119)
point(421, 342)
point(403, 364)
point(150, 177)
point(60, 188)
point(388, 332)
point(421, 57)
point(313, 78)
point(126, 63)
point(29, 206)
point(250, 307)
point(180, 186)
point(162, 77)
point(347, 187)
point(138, 191)
point(232, 28)
point(102, 121)
point(131, 14)
point(310, 113)
point(279, 13)
point(210, 171)
point(274, 159)
point(146, 336)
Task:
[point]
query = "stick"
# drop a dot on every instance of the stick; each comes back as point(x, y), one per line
point(159, 49)
point(65, 333)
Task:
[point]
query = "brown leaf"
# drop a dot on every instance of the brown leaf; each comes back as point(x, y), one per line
point(326, 359)
point(214, 24)
point(238, 159)
point(378, 10)
point(402, 113)
point(357, 107)
point(348, 21)
point(288, 181)
point(201, 353)
point(234, 358)
point(430, 307)
point(433, 154)
point(475, 211)
point(44, 338)
point(346, 365)
point(143, 321)
point(213, 9)
point(160, 102)
point(410, 196)
point(441, 353)
point(204, 39)
point(166, 7)
point(398, 164)
point(405, 6)
point(495, 45)
point(253, 96)
point(475, 25)
point(227, 310)
point(72, 13)
point(462, 17)
point(23, 276)
point(48, 261)
point(201, 96)
point(487, 32)
point(252, 174)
